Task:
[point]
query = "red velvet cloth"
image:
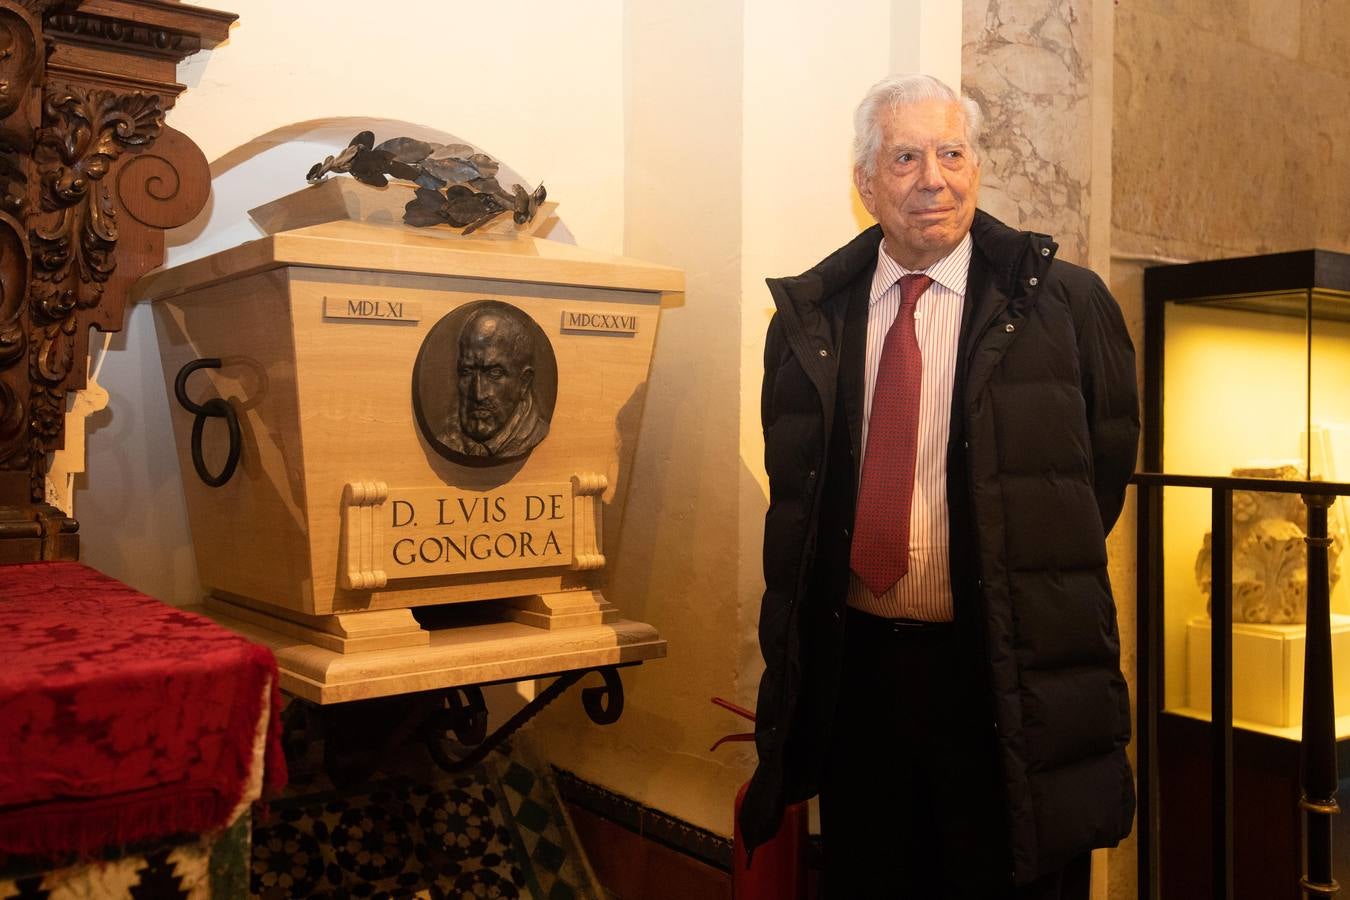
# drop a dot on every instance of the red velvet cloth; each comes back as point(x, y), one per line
point(121, 718)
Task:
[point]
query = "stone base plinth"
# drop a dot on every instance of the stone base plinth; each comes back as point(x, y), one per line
point(472, 648)
point(1267, 670)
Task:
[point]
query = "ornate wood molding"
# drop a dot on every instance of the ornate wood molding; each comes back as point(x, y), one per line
point(90, 177)
point(99, 31)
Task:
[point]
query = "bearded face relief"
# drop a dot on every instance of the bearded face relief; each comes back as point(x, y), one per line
point(497, 365)
point(496, 369)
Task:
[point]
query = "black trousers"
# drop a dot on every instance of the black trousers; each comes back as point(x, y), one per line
point(912, 801)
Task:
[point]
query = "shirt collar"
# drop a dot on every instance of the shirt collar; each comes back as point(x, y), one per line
point(951, 271)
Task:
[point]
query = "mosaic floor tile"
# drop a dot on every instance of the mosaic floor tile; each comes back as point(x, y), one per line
point(497, 831)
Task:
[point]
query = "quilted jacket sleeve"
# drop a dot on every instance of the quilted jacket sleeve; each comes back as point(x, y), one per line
point(1106, 356)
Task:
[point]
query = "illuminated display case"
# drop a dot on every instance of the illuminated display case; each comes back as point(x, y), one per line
point(1247, 371)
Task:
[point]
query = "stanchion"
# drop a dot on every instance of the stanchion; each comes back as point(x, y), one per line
point(1317, 769)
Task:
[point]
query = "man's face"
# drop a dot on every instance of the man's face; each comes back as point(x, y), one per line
point(925, 181)
point(491, 382)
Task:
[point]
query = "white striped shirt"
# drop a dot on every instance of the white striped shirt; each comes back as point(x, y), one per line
point(925, 592)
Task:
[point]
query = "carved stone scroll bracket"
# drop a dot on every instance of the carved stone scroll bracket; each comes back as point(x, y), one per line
point(362, 538)
point(588, 536)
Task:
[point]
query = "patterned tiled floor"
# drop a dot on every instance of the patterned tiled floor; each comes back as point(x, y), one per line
point(557, 870)
point(498, 831)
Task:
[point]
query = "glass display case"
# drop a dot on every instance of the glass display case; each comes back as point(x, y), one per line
point(1246, 370)
point(1247, 365)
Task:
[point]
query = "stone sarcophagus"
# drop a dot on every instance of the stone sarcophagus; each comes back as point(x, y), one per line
point(383, 429)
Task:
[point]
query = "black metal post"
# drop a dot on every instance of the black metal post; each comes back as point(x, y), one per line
point(1148, 693)
point(1318, 775)
point(1317, 761)
point(1221, 688)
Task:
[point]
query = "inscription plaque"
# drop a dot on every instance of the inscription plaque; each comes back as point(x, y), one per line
point(436, 531)
point(588, 322)
point(366, 308)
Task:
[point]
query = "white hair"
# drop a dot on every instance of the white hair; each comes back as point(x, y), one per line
point(902, 90)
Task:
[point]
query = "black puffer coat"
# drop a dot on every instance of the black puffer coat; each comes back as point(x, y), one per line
point(1044, 430)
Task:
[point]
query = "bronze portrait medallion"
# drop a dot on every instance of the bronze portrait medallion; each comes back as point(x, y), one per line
point(484, 384)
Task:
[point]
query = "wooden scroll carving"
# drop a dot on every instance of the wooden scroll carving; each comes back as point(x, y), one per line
point(90, 177)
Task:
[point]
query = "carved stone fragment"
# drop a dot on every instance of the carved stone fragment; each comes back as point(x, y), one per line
point(1270, 558)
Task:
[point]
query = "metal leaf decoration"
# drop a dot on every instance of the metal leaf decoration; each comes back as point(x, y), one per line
point(426, 208)
point(452, 169)
point(368, 167)
point(405, 149)
point(456, 184)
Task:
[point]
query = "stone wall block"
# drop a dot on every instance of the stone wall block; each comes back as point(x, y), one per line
point(1325, 27)
point(1274, 25)
point(1223, 146)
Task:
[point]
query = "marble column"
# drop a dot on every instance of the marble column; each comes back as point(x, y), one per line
point(1036, 70)
point(1042, 71)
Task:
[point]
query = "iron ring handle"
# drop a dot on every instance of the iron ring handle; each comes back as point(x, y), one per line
point(213, 408)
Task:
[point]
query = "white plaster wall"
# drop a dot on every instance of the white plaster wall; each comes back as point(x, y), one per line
point(713, 135)
point(739, 163)
point(534, 83)
point(804, 75)
point(678, 555)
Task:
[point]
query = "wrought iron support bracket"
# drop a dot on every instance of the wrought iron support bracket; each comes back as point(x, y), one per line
point(361, 735)
point(603, 705)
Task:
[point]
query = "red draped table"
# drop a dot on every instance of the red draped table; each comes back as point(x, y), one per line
point(123, 719)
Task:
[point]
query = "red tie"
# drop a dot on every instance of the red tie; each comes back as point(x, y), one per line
point(881, 527)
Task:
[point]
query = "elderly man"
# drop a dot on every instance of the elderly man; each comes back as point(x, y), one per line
point(497, 419)
point(950, 419)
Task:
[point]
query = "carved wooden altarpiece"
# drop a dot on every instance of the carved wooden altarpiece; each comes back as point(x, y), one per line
point(90, 177)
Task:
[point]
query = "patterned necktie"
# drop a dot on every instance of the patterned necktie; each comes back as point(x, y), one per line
point(880, 553)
